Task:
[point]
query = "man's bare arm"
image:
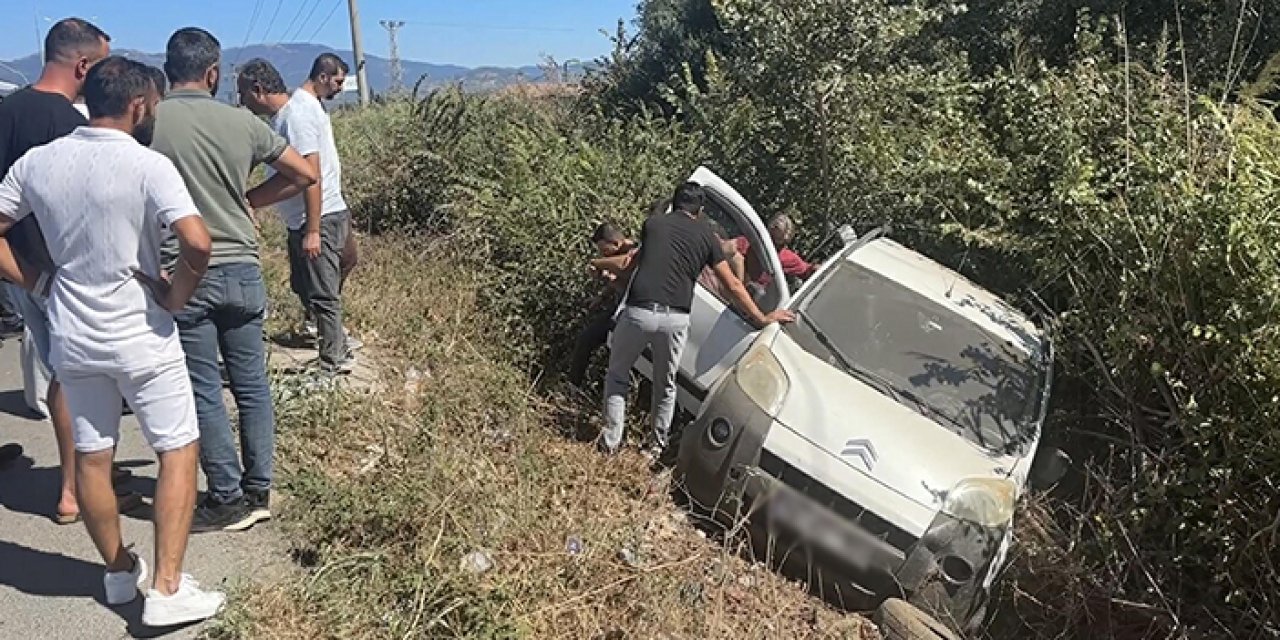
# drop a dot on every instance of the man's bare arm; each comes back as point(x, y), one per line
point(313, 200)
point(294, 175)
point(616, 266)
point(742, 299)
point(737, 262)
point(13, 268)
point(613, 264)
point(11, 208)
point(194, 247)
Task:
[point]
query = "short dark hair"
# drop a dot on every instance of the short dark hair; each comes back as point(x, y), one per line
point(327, 63)
point(158, 77)
point(608, 232)
point(113, 83)
point(71, 38)
point(689, 197)
point(262, 73)
point(190, 53)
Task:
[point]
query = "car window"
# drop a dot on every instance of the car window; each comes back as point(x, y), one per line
point(924, 355)
point(766, 294)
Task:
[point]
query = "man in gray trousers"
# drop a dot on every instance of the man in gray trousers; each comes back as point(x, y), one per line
point(674, 249)
point(318, 219)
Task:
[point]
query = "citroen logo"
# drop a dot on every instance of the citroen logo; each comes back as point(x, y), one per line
point(862, 449)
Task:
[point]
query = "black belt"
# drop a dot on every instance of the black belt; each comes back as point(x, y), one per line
point(656, 307)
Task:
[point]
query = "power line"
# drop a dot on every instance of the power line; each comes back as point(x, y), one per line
point(301, 27)
point(257, 8)
point(284, 34)
point(492, 27)
point(272, 22)
point(336, 4)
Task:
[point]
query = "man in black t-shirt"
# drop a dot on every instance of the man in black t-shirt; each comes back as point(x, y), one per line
point(31, 117)
point(674, 249)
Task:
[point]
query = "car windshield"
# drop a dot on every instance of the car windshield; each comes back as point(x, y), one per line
point(925, 356)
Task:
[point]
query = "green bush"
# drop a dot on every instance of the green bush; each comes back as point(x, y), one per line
point(1138, 210)
point(522, 182)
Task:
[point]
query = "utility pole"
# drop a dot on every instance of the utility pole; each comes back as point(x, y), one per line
point(357, 47)
point(397, 73)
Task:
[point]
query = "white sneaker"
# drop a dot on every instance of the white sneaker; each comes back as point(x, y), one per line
point(122, 586)
point(188, 604)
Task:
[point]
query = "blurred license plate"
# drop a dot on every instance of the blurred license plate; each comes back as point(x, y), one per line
point(817, 527)
point(791, 510)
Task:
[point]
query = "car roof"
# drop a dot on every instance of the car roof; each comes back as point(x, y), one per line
point(951, 290)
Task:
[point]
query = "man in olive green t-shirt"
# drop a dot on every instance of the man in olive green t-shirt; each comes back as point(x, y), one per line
point(215, 146)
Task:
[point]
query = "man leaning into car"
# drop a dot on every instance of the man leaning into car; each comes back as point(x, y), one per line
point(674, 248)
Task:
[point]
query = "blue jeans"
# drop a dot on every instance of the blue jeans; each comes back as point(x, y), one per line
point(226, 313)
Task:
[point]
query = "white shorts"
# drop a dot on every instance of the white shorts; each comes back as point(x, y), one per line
point(160, 397)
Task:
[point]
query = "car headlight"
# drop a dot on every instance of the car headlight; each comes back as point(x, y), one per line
point(984, 501)
point(762, 379)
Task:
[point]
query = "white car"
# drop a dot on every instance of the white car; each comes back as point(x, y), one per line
point(880, 443)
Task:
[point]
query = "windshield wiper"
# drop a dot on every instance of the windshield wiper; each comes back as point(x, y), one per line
point(862, 373)
point(898, 393)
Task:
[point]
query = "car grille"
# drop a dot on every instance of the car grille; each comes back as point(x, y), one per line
point(823, 495)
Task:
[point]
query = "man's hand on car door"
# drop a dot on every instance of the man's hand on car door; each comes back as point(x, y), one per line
point(782, 316)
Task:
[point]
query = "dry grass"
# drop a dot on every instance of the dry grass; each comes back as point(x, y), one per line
point(1045, 566)
point(392, 492)
point(539, 90)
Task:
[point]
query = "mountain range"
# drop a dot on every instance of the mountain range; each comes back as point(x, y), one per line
point(294, 61)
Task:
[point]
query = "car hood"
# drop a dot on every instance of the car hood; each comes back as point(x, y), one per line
point(875, 451)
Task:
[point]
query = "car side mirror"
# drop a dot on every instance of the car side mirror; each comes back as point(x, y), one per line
point(1049, 467)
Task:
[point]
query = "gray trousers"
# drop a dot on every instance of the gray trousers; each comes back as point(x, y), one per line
point(663, 332)
point(318, 284)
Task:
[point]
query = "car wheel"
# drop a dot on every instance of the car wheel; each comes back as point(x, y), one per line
point(899, 620)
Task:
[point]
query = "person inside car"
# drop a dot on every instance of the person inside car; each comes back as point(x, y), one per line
point(782, 232)
point(737, 263)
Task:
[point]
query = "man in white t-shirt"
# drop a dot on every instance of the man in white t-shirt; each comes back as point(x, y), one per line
point(111, 319)
point(318, 220)
point(326, 81)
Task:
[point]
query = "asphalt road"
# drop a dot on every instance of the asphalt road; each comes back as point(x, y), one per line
point(51, 575)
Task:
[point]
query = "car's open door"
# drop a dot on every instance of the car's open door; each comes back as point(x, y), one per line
point(718, 334)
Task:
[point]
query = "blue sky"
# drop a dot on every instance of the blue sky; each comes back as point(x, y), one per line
point(441, 31)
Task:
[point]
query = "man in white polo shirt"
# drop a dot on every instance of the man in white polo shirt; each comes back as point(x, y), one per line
point(318, 220)
point(111, 319)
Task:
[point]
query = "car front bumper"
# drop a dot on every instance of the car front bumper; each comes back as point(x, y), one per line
point(854, 557)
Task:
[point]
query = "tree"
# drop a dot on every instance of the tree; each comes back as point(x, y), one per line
point(1225, 43)
point(671, 35)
